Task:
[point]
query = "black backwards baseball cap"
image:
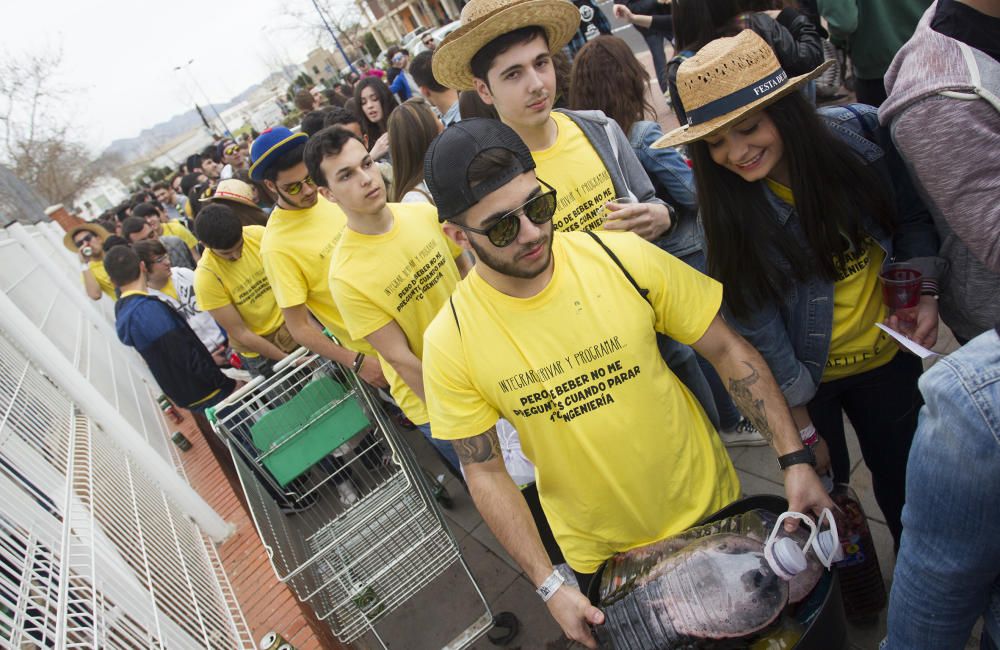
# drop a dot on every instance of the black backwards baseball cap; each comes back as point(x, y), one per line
point(446, 165)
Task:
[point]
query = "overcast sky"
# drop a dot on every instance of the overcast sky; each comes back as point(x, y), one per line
point(120, 55)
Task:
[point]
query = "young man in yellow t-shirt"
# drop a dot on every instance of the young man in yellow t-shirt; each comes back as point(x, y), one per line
point(87, 241)
point(392, 270)
point(231, 285)
point(156, 217)
point(585, 156)
point(301, 235)
point(504, 53)
point(556, 332)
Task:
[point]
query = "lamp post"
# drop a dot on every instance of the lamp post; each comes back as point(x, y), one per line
point(336, 41)
point(194, 80)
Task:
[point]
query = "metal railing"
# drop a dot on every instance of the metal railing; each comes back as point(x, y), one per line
point(97, 544)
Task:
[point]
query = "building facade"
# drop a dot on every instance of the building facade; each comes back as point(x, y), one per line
point(394, 19)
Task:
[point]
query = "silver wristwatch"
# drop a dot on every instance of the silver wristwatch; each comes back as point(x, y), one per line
point(551, 584)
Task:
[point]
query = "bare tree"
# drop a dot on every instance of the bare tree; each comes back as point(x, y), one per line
point(38, 144)
point(344, 17)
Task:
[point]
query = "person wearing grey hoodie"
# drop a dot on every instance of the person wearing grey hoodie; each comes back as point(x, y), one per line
point(943, 110)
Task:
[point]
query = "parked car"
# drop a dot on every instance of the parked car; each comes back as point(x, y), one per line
point(439, 35)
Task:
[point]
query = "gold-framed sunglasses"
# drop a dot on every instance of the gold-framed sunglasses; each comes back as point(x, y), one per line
point(294, 188)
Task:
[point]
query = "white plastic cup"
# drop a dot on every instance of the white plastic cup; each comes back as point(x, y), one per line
point(621, 200)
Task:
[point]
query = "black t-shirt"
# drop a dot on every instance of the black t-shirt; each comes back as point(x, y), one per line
point(963, 23)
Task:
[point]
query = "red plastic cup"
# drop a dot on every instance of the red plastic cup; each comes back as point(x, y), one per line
point(900, 286)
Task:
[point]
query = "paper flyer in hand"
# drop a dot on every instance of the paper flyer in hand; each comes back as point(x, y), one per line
point(912, 346)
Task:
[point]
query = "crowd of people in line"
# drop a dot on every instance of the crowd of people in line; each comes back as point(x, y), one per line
point(500, 231)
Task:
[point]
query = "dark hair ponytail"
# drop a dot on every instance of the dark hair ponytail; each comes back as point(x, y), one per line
point(754, 256)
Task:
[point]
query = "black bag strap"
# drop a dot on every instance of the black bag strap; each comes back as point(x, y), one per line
point(451, 301)
point(642, 292)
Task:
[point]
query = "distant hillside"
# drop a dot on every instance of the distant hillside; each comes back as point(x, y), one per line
point(150, 140)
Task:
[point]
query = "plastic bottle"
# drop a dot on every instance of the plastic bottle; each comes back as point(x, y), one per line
point(861, 583)
point(716, 587)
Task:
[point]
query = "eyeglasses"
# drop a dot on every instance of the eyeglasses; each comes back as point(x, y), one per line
point(230, 150)
point(294, 188)
point(162, 259)
point(85, 240)
point(539, 209)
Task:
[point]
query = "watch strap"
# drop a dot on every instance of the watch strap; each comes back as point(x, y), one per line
point(799, 457)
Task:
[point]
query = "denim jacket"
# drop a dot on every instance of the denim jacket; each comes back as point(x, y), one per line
point(794, 335)
point(945, 576)
point(673, 181)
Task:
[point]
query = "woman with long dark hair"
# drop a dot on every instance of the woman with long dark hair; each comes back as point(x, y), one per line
point(607, 77)
point(374, 103)
point(412, 126)
point(801, 211)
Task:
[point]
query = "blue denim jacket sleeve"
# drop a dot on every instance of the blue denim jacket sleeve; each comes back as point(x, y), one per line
point(946, 572)
point(766, 332)
point(668, 165)
point(915, 239)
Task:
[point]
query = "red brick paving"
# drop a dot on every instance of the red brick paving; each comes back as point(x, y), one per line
point(267, 603)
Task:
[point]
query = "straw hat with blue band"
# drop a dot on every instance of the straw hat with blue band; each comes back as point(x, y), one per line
point(485, 20)
point(269, 146)
point(726, 80)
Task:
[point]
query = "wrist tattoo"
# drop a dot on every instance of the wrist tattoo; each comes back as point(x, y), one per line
point(478, 449)
point(749, 405)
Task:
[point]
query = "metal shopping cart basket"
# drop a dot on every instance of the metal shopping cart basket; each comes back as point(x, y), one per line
point(344, 511)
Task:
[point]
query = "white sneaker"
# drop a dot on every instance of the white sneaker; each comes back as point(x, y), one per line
point(348, 495)
point(744, 434)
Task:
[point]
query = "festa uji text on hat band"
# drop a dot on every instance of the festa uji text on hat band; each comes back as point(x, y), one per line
point(726, 80)
point(485, 20)
point(269, 146)
point(446, 165)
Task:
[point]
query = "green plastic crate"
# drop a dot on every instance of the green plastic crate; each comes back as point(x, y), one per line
point(313, 442)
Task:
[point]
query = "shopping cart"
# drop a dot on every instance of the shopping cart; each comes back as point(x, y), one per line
point(345, 513)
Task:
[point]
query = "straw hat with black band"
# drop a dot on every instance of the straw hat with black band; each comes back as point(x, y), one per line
point(98, 231)
point(726, 80)
point(484, 20)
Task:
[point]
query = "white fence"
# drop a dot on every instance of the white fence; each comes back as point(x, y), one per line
point(97, 544)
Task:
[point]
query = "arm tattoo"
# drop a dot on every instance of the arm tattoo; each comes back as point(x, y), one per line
point(748, 404)
point(477, 449)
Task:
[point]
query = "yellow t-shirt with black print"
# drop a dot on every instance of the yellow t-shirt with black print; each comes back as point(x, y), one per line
point(297, 249)
point(856, 345)
point(242, 283)
point(623, 452)
point(405, 275)
point(582, 182)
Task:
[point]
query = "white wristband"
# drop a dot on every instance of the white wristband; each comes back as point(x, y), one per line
point(551, 585)
point(84, 267)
